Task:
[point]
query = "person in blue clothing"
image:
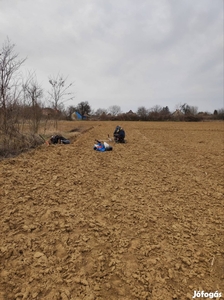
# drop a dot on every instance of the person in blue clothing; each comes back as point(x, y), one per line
point(99, 146)
point(119, 135)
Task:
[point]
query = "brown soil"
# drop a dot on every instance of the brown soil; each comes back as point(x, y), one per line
point(144, 221)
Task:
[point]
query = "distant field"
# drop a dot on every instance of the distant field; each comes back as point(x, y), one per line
point(144, 221)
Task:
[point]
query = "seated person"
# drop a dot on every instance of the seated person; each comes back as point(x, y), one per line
point(119, 135)
point(102, 146)
point(58, 139)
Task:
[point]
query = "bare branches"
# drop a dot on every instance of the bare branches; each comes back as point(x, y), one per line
point(9, 82)
point(59, 92)
point(114, 110)
point(9, 65)
point(33, 93)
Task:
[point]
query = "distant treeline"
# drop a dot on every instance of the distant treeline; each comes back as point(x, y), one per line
point(183, 113)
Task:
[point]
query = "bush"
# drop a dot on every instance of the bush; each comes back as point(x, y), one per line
point(18, 143)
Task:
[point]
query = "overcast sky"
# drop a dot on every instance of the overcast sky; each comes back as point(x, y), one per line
point(129, 53)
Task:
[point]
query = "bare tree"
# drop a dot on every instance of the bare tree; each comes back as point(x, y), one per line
point(220, 114)
point(165, 110)
point(9, 84)
point(59, 93)
point(100, 111)
point(189, 110)
point(114, 110)
point(155, 113)
point(194, 110)
point(156, 109)
point(33, 93)
point(142, 112)
point(101, 114)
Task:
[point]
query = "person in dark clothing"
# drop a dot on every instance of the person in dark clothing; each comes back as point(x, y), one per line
point(58, 139)
point(119, 135)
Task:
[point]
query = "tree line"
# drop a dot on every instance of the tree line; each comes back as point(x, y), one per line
point(183, 112)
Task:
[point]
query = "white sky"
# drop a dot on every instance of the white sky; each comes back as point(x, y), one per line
point(129, 53)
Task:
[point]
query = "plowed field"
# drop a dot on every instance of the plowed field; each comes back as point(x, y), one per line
point(144, 221)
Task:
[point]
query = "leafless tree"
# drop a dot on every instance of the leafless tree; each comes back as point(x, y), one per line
point(33, 93)
point(114, 110)
point(194, 110)
point(142, 112)
point(156, 109)
point(59, 93)
point(9, 84)
point(220, 114)
point(100, 111)
point(187, 109)
point(155, 113)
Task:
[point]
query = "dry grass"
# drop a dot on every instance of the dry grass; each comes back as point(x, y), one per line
point(18, 142)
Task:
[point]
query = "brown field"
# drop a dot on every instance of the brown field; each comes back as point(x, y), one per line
point(144, 221)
